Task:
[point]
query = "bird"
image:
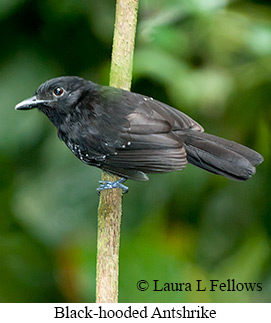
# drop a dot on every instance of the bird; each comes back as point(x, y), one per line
point(131, 135)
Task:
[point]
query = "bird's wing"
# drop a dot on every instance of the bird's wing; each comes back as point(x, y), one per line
point(149, 141)
point(154, 111)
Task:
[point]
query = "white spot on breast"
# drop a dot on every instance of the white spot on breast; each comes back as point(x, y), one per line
point(81, 156)
point(100, 158)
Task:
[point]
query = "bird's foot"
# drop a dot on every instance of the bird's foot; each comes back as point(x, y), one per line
point(107, 185)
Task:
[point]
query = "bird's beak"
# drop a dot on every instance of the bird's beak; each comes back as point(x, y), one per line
point(30, 103)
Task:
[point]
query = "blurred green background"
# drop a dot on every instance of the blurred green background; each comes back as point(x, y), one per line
point(211, 59)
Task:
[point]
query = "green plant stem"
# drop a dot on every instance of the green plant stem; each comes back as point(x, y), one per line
point(110, 204)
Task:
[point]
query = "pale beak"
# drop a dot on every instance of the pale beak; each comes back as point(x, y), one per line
point(30, 103)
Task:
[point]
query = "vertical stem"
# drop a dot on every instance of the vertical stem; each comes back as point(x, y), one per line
point(123, 44)
point(110, 205)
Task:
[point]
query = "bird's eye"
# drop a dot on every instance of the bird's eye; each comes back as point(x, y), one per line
point(58, 91)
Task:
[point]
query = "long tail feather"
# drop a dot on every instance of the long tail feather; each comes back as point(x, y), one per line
point(220, 156)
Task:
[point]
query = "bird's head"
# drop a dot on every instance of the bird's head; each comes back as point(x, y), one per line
point(56, 97)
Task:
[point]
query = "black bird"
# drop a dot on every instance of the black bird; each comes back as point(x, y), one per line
point(130, 134)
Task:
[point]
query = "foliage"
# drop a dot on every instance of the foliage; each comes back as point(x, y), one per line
point(212, 59)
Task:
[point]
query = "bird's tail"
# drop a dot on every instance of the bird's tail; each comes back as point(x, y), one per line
point(220, 156)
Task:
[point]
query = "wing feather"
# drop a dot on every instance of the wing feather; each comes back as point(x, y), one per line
point(150, 144)
point(141, 137)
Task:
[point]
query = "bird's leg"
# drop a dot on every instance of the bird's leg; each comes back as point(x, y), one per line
point(107, 185)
